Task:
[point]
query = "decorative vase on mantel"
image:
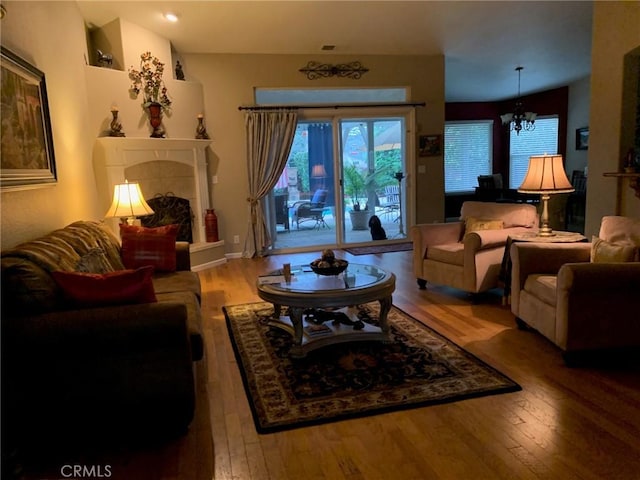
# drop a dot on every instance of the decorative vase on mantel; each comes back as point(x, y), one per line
point(155, 119)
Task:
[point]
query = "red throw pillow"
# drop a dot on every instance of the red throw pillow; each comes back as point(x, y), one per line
point(143, 246)
point(113, 288)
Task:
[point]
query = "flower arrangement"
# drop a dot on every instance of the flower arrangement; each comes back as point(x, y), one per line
point(149, 81)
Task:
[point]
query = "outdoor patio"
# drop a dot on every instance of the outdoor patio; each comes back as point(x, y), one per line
point(312, 233)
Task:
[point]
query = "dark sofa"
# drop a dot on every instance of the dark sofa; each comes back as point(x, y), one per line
point(122, 369)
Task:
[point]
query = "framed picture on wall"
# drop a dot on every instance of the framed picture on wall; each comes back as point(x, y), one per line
point(429, 145)
point(582, 138)
point(27, 158)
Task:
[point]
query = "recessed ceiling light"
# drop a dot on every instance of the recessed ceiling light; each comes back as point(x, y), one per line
point(172, 17)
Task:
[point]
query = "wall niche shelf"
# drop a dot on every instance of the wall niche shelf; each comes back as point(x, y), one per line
point(634, 179)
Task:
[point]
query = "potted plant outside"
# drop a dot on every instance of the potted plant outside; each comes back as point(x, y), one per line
point(355, 185)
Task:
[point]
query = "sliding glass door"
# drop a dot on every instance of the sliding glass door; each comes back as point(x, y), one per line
point(372, 157)
point(341, 171)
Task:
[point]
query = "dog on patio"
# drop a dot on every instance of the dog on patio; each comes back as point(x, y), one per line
point(377, 232)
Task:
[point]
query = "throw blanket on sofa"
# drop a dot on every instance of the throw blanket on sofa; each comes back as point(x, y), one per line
point(64, 248)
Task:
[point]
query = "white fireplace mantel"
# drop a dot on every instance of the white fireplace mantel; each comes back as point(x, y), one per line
point(112, 155)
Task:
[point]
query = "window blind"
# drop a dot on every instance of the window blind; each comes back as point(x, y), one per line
point(544, 139)
point(468, 151)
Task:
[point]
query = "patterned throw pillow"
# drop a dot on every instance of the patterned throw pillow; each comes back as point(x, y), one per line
point(121, 287)
point(94, 261)
point(606, 252)
point(143, 246)
point(473, 224)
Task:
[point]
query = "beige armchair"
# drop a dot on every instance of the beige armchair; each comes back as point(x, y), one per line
point(462, 254)
point(579, 304)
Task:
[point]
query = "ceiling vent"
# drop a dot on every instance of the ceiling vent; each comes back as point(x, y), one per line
point(328, 47)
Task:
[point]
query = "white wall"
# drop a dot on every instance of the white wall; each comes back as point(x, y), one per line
point(51, 36)
point(107, 88)
point(577, 117)
point(616, 32)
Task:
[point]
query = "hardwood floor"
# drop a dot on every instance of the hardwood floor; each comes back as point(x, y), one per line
point(565, 423)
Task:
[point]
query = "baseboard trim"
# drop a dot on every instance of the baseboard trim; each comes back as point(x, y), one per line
point(204, 266)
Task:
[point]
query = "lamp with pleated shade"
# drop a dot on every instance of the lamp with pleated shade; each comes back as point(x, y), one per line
point(318, 171)
point(545, 176)
point(128, 202)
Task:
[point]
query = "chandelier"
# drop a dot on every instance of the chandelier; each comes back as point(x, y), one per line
point(519, 119)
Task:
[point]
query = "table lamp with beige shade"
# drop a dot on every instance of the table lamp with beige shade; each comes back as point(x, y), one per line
point(128, 202)
point(545, 176)
point(319, 173)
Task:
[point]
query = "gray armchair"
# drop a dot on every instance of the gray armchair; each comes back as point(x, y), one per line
point(450, 254)
point(579, 304)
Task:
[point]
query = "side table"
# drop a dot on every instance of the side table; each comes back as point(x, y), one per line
point(505, 269)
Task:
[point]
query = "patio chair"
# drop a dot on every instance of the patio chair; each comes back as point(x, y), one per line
point(310, 210)
point(390, 202)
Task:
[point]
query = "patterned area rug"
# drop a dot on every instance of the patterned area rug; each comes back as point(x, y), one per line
point(372, 249)
point(419, 367)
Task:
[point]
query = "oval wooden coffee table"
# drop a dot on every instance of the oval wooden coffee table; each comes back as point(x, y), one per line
point(322, 310)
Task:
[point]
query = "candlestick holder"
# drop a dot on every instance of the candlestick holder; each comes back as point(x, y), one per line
point(116, 126)
point(201, 131)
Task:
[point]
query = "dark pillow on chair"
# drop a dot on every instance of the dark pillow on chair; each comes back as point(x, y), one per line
point(121, 287)
point(143, 246)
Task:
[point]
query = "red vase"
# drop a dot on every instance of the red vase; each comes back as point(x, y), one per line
point(155, 119)
point(211, 225)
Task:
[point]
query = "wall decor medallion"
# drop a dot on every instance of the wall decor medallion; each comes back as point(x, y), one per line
point(26, 157)
point(316, 70)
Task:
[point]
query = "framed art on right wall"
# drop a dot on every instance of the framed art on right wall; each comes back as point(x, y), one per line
point(429, 145)
point(582, 138)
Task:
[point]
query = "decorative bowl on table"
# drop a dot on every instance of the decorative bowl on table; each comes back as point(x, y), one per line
point(328, 264)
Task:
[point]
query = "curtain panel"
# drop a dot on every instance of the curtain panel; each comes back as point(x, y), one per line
point(321, 153)
point(269, 140)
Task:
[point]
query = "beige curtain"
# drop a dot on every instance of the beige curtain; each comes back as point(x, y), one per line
point(269, 139)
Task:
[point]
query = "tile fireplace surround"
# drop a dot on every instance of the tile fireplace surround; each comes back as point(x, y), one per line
point(160, 166)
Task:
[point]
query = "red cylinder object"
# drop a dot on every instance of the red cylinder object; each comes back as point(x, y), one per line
point(211, 225)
